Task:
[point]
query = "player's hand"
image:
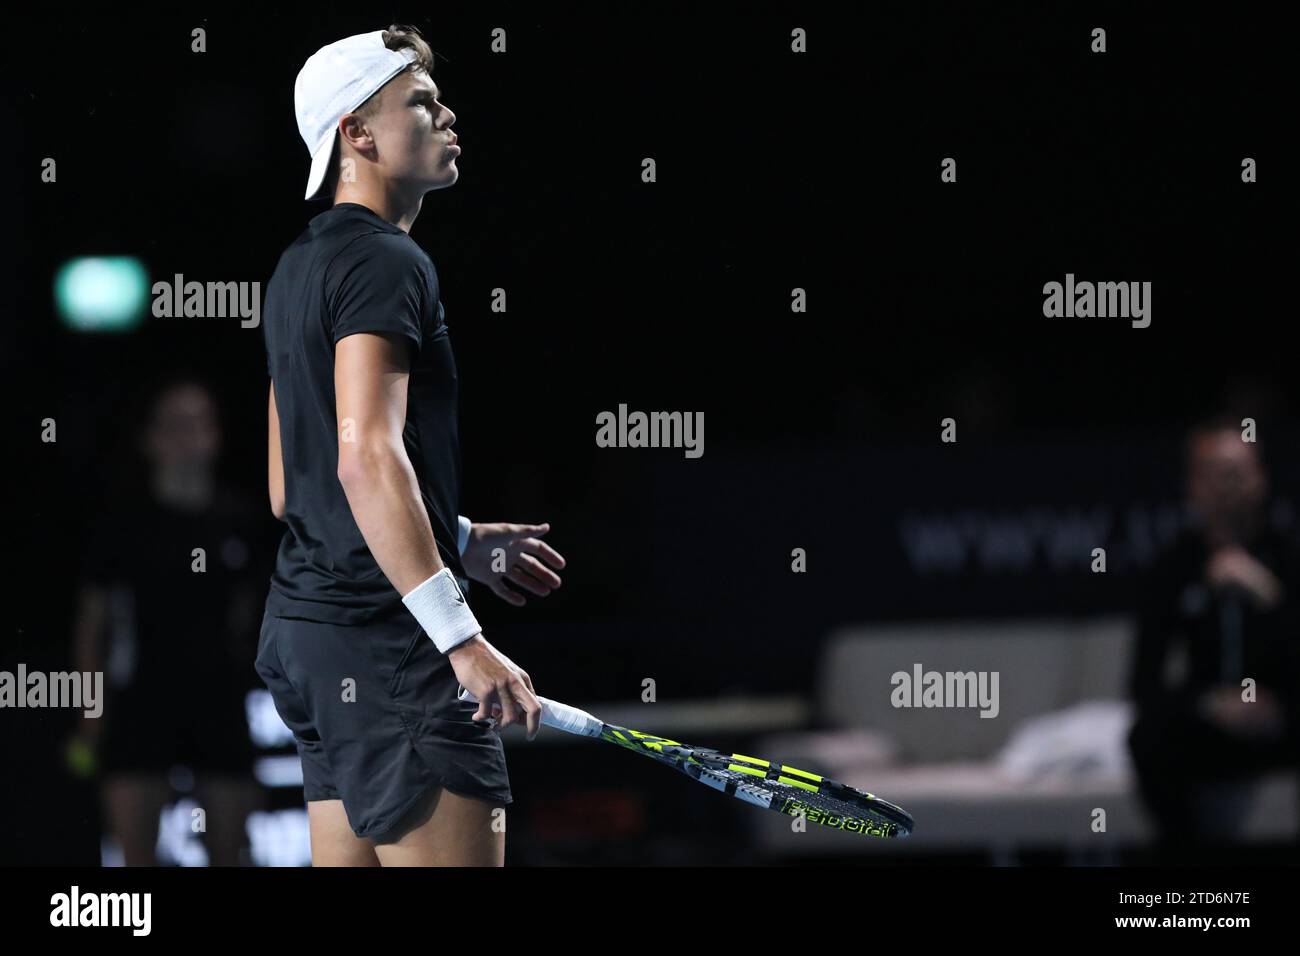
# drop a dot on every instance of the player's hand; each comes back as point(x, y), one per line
point(1234, 565)
point(500, 552)
point(504, 690)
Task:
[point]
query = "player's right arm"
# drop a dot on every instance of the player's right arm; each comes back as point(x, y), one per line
point(371, 377)
point(371, 372)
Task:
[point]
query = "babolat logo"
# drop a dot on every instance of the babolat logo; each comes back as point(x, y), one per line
point(834, 820)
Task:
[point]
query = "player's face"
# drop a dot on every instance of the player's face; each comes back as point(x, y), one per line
point(413, 132)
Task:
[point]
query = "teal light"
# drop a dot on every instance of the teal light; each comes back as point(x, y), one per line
point(101, 293)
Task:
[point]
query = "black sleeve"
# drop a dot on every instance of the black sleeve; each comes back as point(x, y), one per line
point(1157, 629)
point(379, 283)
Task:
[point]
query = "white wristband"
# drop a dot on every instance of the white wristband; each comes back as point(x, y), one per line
point(462, 533)
point(441, 610)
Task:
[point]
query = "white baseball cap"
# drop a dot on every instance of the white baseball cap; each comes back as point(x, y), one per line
point(334, 81)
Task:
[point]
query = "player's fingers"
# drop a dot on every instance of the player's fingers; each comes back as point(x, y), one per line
point(538, 570)
point(520, 530)
point(547, 553)
point(489, 707)
point(508, 595)
point(526, 581)
point(531, 705)
point(510, 710)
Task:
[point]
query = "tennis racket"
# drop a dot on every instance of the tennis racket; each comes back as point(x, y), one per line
point(763, 783)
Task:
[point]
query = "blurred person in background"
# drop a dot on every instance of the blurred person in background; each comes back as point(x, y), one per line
point(174, 631)
point(1220, 605)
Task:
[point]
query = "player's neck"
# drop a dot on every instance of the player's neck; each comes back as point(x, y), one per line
point(388, 204)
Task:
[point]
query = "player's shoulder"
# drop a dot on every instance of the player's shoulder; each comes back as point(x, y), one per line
point(383, 251)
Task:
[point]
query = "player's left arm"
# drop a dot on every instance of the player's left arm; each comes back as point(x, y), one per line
point(274, 459)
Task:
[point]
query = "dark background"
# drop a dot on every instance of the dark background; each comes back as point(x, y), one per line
point(775, 171)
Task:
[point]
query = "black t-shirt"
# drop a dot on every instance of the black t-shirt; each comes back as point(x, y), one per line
point(173, 622)
point(350, 271)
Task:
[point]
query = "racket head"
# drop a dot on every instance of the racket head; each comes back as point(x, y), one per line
point(773, 786)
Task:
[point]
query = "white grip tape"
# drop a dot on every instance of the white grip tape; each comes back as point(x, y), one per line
point(441, 610)
point(571, 720)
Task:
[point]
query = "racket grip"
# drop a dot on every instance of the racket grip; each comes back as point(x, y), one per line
point(571, 720)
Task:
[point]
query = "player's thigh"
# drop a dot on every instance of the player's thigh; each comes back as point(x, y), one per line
point(448, 829)
point(332, 841)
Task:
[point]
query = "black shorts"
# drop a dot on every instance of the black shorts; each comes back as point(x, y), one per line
point(383, 741)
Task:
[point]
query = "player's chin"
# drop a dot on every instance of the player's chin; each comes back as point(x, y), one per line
point(444, 177)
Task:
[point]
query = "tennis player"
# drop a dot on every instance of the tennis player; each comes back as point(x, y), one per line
point(367, 632)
